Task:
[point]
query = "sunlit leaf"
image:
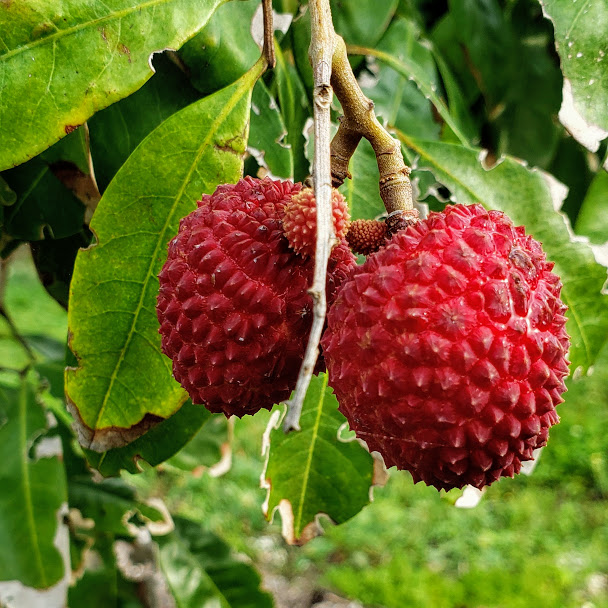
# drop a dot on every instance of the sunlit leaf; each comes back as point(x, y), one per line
point(63, 61)
point(123, 383)
point(315, 471)
point(581, 39)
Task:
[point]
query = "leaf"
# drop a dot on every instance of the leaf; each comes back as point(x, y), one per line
point(73, 148)
point(158, 445)
point(295, 110)
point(314, 471)
point(43, 204)
point(201, 571)
point(7, 196)
point(410, 70)
point(54, 260)
point(123, 383)
point(362, 191)
point(592, 219)
point(63, 61)
point(267, 135)
point(362, 22)
point(581, 39)
point(210, 449)
point(116, 131)
point(526, 198)
point(224, 49)
point(398, 100)
point(34, 489)
point(110, 503)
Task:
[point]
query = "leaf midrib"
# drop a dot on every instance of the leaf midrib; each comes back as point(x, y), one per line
point(161, 238)
point(80, 26)
point(27, 485)
point(315, 434)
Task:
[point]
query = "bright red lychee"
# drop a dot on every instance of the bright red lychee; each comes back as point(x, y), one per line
point(447, 348)
point(233, 306)
point(300, 220)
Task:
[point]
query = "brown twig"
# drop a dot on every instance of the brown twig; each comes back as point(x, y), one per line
point(268, 50)
point(320, 53)
point(360, 121)
point(330, 67)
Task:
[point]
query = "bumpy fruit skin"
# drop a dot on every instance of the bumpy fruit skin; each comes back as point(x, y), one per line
point(447, 348)
point(300, 220)
point(366, 236)
point(233, 306)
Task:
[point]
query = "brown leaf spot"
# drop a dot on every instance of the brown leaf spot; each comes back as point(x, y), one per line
point(69, 128)
point(101, 440)
point(125, 49)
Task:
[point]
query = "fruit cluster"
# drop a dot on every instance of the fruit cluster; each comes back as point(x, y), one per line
point(446, 348)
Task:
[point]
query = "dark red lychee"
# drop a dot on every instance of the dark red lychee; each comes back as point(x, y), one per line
point(447, 348)
point(233, 306)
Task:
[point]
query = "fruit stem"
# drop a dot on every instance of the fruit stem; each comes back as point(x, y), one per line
point(360, 120)
point(330, 67)
point(268, 50)
point(322, 42)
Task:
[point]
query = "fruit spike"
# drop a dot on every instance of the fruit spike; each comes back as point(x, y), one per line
point(233, 305)
point(447, 348)
point(366, 236)
point(300, 220)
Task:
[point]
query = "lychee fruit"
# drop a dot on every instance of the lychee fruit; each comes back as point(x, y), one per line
point(233, 306)
point(447, 348)
point(366, 236)
point(300, 220)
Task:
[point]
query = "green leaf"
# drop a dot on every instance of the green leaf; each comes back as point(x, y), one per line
point(63, 61)
point(592, 219)
point(210, 447)
point(110, 503)
point(73, 148)
point(33, 490)
point(54, 260)
point(116, 131)
point(581, 39)
point(267, 134)
point(201, 571)
point(525, 196)
point(224, 49)
point(397, 99)
point(159, 444)
point(123, 383)
point(362, 22)
point(409, 69)
point(295, 110)
point(362, 191)
point(7, 196)
point(314, 470)
point(43, 204)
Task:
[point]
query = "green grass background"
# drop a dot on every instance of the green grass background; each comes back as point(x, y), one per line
point(532, 541)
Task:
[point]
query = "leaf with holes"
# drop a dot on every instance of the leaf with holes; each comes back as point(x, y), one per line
point(159, 444)
point(581, 39)
point(63, 61)
point(527, 197)
point(33, 490)
point(314, 471)
point(123, 383)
